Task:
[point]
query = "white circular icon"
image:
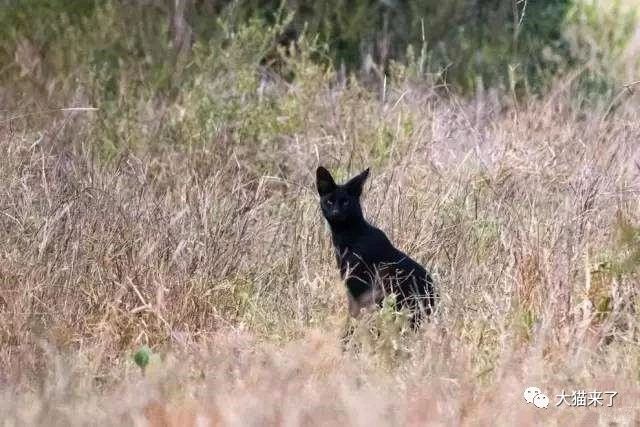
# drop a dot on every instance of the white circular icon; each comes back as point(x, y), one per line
point(541, 401)
point(530, 393)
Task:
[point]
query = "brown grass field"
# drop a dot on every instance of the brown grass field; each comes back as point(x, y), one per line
point(215, 255)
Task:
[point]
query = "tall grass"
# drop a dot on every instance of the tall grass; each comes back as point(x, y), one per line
point(181, 214)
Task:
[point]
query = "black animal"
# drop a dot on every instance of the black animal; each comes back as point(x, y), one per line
point(370, 265)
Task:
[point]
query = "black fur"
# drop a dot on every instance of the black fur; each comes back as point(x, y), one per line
point(370, 265)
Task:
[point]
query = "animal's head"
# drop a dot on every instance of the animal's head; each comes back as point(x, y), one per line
point(340, 203)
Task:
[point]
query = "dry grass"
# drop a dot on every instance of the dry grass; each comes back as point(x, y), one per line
point(216, 256)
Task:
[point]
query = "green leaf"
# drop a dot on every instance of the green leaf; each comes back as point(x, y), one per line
point(142, 357)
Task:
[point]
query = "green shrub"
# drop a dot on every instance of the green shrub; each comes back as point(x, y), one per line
point(122, 58)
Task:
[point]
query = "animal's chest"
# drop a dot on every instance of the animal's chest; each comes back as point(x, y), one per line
point(351, 262)
point(361, 272)
point(354, 270)
point(357, 265)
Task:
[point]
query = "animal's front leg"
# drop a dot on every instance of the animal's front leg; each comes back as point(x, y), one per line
point(367, 299)
point(354, 305)
point(349, 327)
point(370, 297)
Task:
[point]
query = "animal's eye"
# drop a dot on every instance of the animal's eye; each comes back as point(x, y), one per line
point(329, 202)
point(345, 202)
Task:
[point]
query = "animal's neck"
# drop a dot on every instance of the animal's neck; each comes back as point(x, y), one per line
point(344, 232)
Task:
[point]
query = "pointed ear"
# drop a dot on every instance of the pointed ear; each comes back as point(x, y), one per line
point(324, 181)
point(355, 184)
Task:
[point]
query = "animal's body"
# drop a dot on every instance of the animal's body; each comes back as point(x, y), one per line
point(369, 263)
